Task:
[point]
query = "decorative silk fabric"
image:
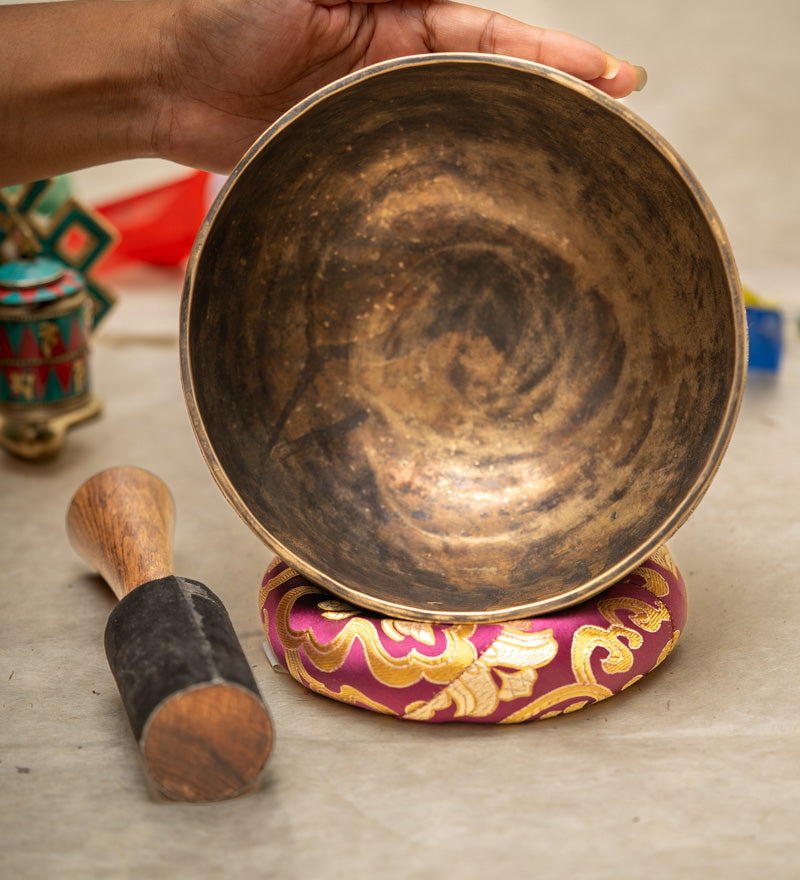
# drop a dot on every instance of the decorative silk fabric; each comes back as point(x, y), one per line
point(509, 672)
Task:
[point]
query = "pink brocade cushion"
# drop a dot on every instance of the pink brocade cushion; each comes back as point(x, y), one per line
point(487, 672)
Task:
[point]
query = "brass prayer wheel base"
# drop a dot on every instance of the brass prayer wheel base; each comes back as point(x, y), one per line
point(39, 436)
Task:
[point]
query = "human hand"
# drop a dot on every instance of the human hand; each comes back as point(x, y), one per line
point(197, 81)
point(229, 68)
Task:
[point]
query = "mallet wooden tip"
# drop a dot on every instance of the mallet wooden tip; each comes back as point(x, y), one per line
point(207, 744)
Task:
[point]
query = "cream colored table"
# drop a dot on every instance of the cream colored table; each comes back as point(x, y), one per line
point(692, 773)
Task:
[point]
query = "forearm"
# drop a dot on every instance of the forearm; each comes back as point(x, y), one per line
point(84, 82)
point(78, 85)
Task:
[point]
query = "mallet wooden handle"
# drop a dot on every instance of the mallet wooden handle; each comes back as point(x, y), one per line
point(121, 523)
point(194, 707)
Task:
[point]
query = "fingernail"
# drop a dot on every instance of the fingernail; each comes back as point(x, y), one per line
point(641, 78)
point(612, 67)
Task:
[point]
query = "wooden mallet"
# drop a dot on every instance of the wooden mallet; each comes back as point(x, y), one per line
point(202, 727)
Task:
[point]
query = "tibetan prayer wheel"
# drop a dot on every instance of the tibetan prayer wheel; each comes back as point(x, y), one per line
point(45, 325)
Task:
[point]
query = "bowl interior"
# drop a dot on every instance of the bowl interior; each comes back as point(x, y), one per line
point(462, 339)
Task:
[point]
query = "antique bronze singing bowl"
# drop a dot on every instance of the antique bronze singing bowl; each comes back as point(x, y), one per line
point(462, 339)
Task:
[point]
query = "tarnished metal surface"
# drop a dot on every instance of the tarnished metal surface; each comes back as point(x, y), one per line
point(462, 339)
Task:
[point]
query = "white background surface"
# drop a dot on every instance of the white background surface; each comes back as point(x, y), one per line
point(694, 772)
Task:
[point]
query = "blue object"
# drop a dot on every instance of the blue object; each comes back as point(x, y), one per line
point(765, 338)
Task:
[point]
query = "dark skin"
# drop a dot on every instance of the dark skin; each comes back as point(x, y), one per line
point(197, 81)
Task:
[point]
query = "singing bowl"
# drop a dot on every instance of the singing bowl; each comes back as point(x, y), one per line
point(462, 339)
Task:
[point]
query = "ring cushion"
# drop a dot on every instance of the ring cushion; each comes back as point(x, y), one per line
point(520, 670)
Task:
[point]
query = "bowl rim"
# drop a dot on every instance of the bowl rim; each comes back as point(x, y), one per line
point(667, 526)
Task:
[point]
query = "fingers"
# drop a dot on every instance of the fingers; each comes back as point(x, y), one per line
point(620, 78)
point(457, 27)
point(447, 26)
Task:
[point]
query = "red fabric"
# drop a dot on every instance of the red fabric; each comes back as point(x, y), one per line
point(158, 226)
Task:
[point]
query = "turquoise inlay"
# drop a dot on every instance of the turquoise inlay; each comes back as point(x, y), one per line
point(18, 298)
point(14, 331)
point(55, 196)
point(53, 390)
point(75, 217)
point(69, 216)
point(34, 272)
point(64, 324)
point(32, 196)
point(40, 280)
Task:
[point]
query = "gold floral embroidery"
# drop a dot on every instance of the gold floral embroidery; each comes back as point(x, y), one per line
point(667, 649)
point(335, 609)
point(397, 630)
point(505, 671)
point(663, 558)
point(475, 686)
point(576, 695)
point(346, 694)
point(276, 581)
point(458, 652)
point(619, 654)
point(653, 582)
